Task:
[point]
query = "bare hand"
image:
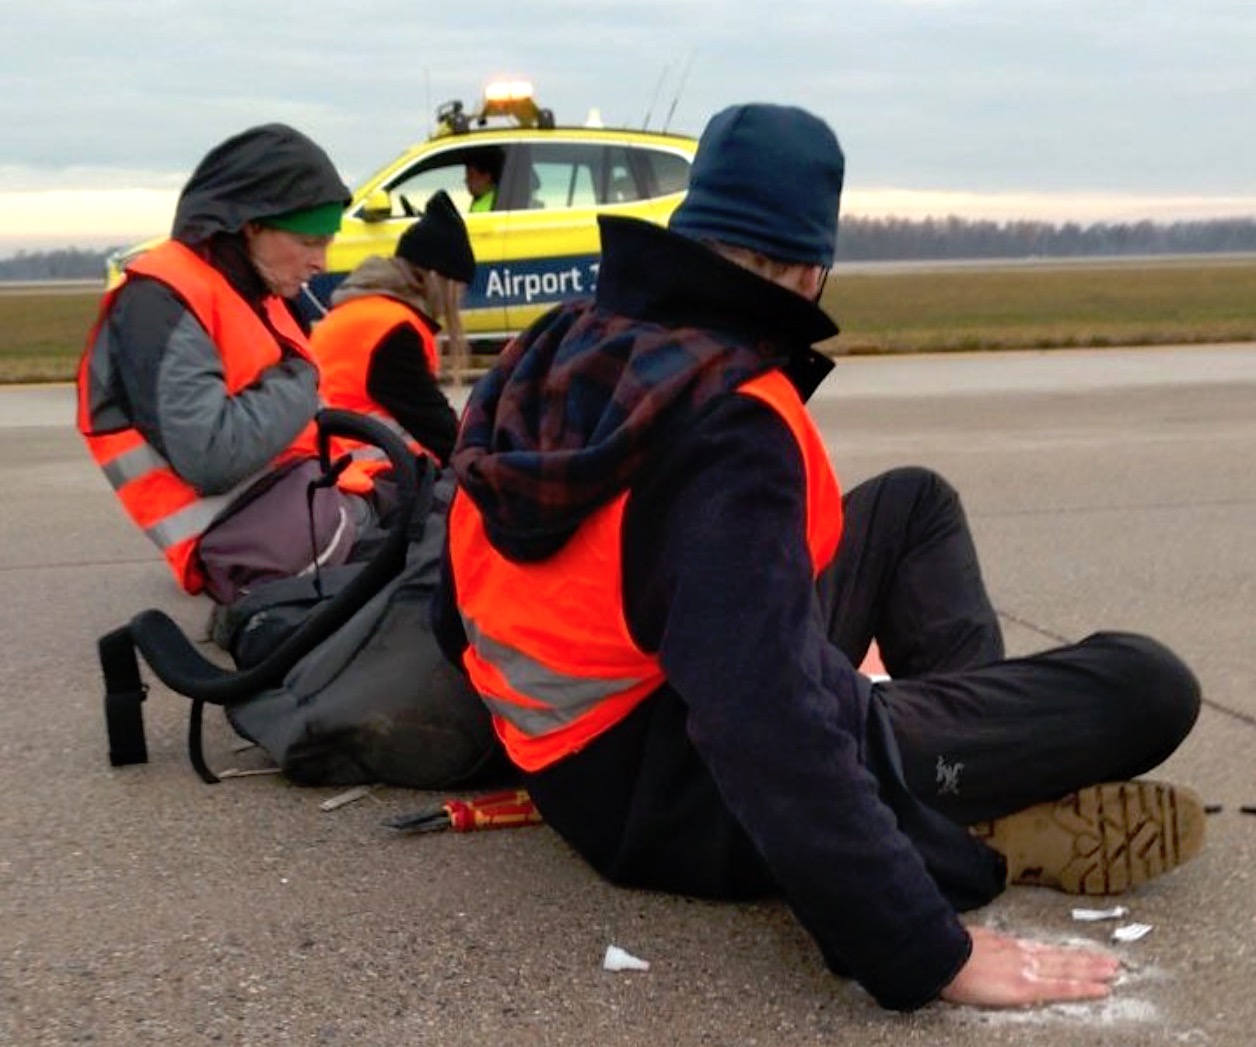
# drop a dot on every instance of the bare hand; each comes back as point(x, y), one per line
point(1012, 972)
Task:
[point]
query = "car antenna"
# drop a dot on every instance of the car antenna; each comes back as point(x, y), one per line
point(645, 124)
point(684, 76)
point(427, 101)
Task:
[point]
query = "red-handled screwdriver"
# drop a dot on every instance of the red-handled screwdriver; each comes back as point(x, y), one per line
point(501, 810)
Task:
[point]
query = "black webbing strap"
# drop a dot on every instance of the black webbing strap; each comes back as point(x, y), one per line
point(329, 476)
point(196, 751)
point(125, 692)
point(124, 697)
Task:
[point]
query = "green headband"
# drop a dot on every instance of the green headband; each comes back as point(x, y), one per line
point(323, 220)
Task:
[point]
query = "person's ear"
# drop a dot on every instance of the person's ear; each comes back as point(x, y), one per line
point(809, 281)
point(825, 273)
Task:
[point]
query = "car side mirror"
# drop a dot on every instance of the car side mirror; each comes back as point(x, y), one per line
point(377, 207)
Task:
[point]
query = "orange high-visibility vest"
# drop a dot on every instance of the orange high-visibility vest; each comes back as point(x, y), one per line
point(342, 343)
point(163, 505)
point(549, 649)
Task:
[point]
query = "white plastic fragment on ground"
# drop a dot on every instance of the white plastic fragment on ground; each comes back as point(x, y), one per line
point(1131, 932)
point(616, 959)
point(1089, 915)
point(334, 803)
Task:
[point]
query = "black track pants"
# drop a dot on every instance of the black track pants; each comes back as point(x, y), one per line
point(980, 736)
point(969, 735)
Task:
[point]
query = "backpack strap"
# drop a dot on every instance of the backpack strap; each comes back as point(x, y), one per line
point(171, 655)
point(124, 696)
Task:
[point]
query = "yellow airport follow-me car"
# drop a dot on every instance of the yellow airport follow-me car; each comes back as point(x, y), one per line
point(539, 244)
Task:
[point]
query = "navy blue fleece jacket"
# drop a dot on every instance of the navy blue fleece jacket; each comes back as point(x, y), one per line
point(745, 773)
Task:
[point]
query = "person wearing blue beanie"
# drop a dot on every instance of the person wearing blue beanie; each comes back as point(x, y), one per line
point(657, 587)
point(767, 178)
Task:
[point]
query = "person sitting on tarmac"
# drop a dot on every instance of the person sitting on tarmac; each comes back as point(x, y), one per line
point(197, 391)
point(377, 348)
point(660, 593)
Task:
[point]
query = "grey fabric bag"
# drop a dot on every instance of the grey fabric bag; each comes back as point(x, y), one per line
point(377, 701)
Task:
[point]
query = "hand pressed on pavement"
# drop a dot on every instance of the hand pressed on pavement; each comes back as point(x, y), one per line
point(1013, 972)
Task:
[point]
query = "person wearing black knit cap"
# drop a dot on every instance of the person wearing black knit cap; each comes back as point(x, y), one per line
point(377, 348)
point(659, 591)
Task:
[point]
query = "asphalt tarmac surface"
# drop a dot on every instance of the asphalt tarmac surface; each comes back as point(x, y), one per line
point(1107, 489)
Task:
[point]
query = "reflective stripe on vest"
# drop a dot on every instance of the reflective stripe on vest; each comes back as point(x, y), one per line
point(142, 463)
point(549, 647)
point(570, 696)
point(342, 343)
point(162, 505)
point(549, 650)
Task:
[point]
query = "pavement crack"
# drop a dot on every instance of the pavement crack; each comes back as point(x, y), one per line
point(1132, 507)
point(1050, 634)
point(75, 565)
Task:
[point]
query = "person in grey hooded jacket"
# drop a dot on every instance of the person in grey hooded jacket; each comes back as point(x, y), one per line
point(197, 389)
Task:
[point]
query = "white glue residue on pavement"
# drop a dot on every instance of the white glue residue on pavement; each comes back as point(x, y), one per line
point(1129, 1004)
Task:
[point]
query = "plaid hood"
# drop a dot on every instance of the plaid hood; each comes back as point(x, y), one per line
point(577, 404)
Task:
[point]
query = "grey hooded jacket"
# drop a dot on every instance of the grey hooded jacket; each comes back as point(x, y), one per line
point(160, 371)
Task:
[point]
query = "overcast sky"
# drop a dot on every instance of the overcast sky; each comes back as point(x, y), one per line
point(1062, 109)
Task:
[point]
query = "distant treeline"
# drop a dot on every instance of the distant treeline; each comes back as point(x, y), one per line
point(68, 263)
point(873, 240)
point(895, 239)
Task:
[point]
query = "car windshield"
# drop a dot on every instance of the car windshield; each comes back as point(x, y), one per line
point(411, 190)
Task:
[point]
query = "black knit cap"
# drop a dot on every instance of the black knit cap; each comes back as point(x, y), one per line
point(767, 177)
point(439, 241)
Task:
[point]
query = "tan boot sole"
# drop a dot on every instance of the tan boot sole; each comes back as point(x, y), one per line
point(1103, 839)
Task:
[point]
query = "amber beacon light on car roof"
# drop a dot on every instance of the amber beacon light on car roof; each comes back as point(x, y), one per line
point(503, 99)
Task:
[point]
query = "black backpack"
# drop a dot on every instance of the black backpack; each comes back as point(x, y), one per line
point(339, 677)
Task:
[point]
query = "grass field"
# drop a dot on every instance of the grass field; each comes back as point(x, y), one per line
point(42, 333)
point(1046, 306)
point(1040, 306)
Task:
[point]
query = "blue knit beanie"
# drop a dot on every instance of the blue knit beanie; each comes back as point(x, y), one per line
point(767, 177)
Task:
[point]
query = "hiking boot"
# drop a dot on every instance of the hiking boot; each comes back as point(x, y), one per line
point(1103, 839)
